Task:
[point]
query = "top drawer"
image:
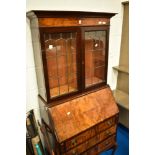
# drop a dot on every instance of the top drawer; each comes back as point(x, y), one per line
point(62, 22)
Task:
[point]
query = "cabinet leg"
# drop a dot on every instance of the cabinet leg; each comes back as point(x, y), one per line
point(114, 149)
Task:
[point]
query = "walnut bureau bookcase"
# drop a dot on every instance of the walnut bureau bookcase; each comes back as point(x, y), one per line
point(71, 60)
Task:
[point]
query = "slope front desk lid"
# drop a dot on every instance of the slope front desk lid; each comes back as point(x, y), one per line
point(77, 115)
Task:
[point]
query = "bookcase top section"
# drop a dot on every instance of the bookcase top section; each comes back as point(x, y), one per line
point(81, 14)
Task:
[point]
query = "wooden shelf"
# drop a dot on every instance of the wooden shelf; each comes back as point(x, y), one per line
point(121, 98)
point(122, 69)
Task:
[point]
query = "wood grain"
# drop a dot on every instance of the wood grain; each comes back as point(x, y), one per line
point(80, 114)
point(57, 22)
point(91, 142)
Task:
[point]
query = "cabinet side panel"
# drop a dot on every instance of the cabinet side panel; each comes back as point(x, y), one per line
point(45, 117)
point(43, 111)
point(38, 58)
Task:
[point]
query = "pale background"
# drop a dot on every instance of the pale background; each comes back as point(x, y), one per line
point(80, 5)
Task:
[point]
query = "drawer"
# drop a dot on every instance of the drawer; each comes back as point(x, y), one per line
point(93, 141)
point(100, 137)
point(107, 124)
point(83, 137)
point(80, 138)
point(108, 143)
point(77, 150)
point(60, 22)
point(105, 134)
point(92, 151)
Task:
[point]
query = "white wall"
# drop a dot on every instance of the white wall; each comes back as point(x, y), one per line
point(31, 83)
point(80, 5)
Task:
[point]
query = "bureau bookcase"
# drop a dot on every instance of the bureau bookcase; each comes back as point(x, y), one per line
point(71, 60)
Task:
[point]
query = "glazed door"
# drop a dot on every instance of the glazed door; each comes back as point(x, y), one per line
point(95, 56)
point(60, 58)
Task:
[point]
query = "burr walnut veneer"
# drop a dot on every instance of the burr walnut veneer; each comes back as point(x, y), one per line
point(83, 122)
point(71, 58)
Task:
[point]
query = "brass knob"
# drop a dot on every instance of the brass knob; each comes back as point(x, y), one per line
point(108, 132)
point(106, 143)
point(74, 142)
point(74, 152)
point(109, 122)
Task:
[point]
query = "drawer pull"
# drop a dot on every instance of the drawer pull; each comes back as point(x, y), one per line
point(106, 143)
point(74, 142)
point(108, 133)
point(109, 122)
point(74, 152)
point(99, 22)
point(103, 22)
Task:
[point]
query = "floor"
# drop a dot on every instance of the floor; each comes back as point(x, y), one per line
point(122, 141)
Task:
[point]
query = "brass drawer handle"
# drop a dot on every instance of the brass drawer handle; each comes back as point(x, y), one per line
point(74, 152)
point(74, 142)
point(109, 122)
point(106, 143)
point(108, 132)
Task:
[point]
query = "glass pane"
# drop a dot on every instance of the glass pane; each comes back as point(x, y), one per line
point(72, 82)
point(63, 85)
point(61, 56)
point(51, 64)
point(62, 65)
point(54, 89)
point(99, 74)
point(95, 42)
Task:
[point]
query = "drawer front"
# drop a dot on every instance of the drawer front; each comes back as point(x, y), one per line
point(89, 133)
point(106, 124)
point(108, 143)
point(93, 141)
point(60, 22)
point(80, 138)
point(92, 151)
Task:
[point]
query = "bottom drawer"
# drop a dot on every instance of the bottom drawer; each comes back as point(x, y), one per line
point(108, 143)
